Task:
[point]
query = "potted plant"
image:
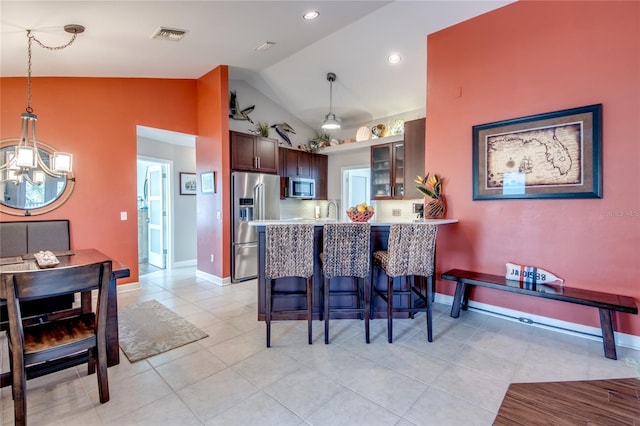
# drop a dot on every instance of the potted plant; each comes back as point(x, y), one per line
point(431, 187)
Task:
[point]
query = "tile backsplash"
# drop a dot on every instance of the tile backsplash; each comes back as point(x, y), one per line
point(387, 210)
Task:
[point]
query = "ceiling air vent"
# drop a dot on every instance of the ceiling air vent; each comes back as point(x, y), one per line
point(171, 34)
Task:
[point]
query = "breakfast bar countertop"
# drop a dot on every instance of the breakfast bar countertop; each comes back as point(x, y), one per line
point(322, 221)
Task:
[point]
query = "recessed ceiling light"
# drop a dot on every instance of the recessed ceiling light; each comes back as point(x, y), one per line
point(394, 58)
point(312, 14)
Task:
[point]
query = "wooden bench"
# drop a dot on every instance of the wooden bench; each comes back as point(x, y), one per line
point(605, 302)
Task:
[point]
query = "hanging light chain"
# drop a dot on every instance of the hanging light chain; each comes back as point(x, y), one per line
point(31, 37)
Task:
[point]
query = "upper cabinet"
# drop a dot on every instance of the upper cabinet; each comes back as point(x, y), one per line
point(253, 153)
point(395, 165)
point(414, 142)
point(296, 163)
point(387, 171)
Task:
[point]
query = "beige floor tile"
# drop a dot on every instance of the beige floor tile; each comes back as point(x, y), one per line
point(239, 348)
point(348, 408)
point(216, 394)
point(266, 367)
point(470, 385)
point(169, 410)
point(438, 408)
point(257, 410)
point(189, 369)
point(304, 391)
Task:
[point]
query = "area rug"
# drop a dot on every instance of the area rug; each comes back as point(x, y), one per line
point(150, 328)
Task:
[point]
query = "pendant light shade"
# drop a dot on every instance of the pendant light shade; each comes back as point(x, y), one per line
point(330, 121)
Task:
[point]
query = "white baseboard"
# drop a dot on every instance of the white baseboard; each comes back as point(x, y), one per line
point(213, 279)
point(593, 333)
point(185, 263)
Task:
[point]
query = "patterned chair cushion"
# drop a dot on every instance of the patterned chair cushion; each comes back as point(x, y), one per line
point(289, 251)
point(411, 250)
point(346, 250)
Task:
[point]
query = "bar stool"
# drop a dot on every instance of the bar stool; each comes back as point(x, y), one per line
point(346, 253)
point(410, 253)
point(288, 253)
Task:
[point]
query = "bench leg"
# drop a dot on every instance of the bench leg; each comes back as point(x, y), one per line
point(457, 299)
point(608, 339)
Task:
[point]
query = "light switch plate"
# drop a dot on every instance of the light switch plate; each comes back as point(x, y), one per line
point(123, 215)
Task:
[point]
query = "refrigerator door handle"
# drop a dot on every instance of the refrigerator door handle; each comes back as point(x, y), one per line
point(258, 192)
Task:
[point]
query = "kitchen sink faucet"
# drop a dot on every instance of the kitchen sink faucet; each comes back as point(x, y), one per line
point(336, 205)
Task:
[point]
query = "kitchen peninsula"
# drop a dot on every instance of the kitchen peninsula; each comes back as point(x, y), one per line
point(379, 238)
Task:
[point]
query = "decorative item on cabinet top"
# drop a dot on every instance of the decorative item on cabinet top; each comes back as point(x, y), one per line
point(234, 109)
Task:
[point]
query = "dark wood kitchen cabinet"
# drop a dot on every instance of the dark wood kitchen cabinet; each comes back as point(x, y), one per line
point(414, 141)
point(387, 171)
point(253, 153)
point(395, 165)
point(320, 172)
point(298, 163)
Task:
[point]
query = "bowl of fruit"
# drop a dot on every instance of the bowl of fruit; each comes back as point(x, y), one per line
point(360, 213)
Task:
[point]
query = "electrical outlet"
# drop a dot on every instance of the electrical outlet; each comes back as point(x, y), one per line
point(396, 212)
point(211, 258)
point(123, 215)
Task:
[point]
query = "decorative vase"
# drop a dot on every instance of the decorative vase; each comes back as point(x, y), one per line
point(435, 208)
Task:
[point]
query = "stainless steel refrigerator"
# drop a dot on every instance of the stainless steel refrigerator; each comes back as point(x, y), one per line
point(255, 196)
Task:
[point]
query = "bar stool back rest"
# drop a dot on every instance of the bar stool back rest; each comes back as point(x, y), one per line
point(411, 250)
point(288, 253)
point(346, 250)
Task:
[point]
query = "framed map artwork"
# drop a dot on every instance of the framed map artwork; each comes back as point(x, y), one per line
point(551, 155)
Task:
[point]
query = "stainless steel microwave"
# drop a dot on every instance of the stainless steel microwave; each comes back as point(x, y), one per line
point(301, 188)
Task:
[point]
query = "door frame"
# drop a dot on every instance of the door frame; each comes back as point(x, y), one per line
point(344, 192)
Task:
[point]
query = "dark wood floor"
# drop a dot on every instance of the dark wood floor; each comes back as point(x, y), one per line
point(591, 402)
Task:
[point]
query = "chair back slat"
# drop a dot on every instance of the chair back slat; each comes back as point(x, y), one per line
point(289, 251)
point(49, 282)
point(346, 249)
point(411, 249)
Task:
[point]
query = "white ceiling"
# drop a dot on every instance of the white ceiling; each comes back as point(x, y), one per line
point(350, 38)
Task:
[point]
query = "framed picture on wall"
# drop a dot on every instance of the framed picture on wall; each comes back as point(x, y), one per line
point(187, 183)
point(551, 155)
point(208, 182)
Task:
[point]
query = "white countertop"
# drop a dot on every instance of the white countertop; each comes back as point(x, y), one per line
point(322, 221)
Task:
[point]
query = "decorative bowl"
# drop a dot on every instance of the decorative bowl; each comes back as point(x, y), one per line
point(359, 217)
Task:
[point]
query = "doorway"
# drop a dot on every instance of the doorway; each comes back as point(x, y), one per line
point(356, 186)
point(154, 191)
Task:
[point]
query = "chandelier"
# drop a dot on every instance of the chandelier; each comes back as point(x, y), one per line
point(25, 161)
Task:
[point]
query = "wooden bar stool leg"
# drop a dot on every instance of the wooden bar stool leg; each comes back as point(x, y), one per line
point(366, 294)
point(309, 309)
point(327, 283)
point(390, 309)
point(428, 302)
point(268, 312)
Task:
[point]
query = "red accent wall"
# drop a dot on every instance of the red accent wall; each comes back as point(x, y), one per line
point(212, 154)
point(528, 58)
point(95, 119)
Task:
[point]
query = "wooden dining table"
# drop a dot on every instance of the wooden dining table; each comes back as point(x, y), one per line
point(68, 259)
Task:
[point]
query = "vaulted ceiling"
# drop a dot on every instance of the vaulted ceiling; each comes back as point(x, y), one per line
point(350, 38)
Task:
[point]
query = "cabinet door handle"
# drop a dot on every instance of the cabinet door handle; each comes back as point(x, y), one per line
point(258, 162)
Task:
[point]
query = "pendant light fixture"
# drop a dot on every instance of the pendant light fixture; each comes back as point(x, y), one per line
point(25, 162)
point(330, 121)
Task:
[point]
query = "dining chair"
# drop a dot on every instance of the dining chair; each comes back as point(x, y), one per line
point(410, 253)
point(288, 253)
point(32, 344)
point(346, 253)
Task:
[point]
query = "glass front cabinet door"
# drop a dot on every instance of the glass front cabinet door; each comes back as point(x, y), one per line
point(387, 171)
